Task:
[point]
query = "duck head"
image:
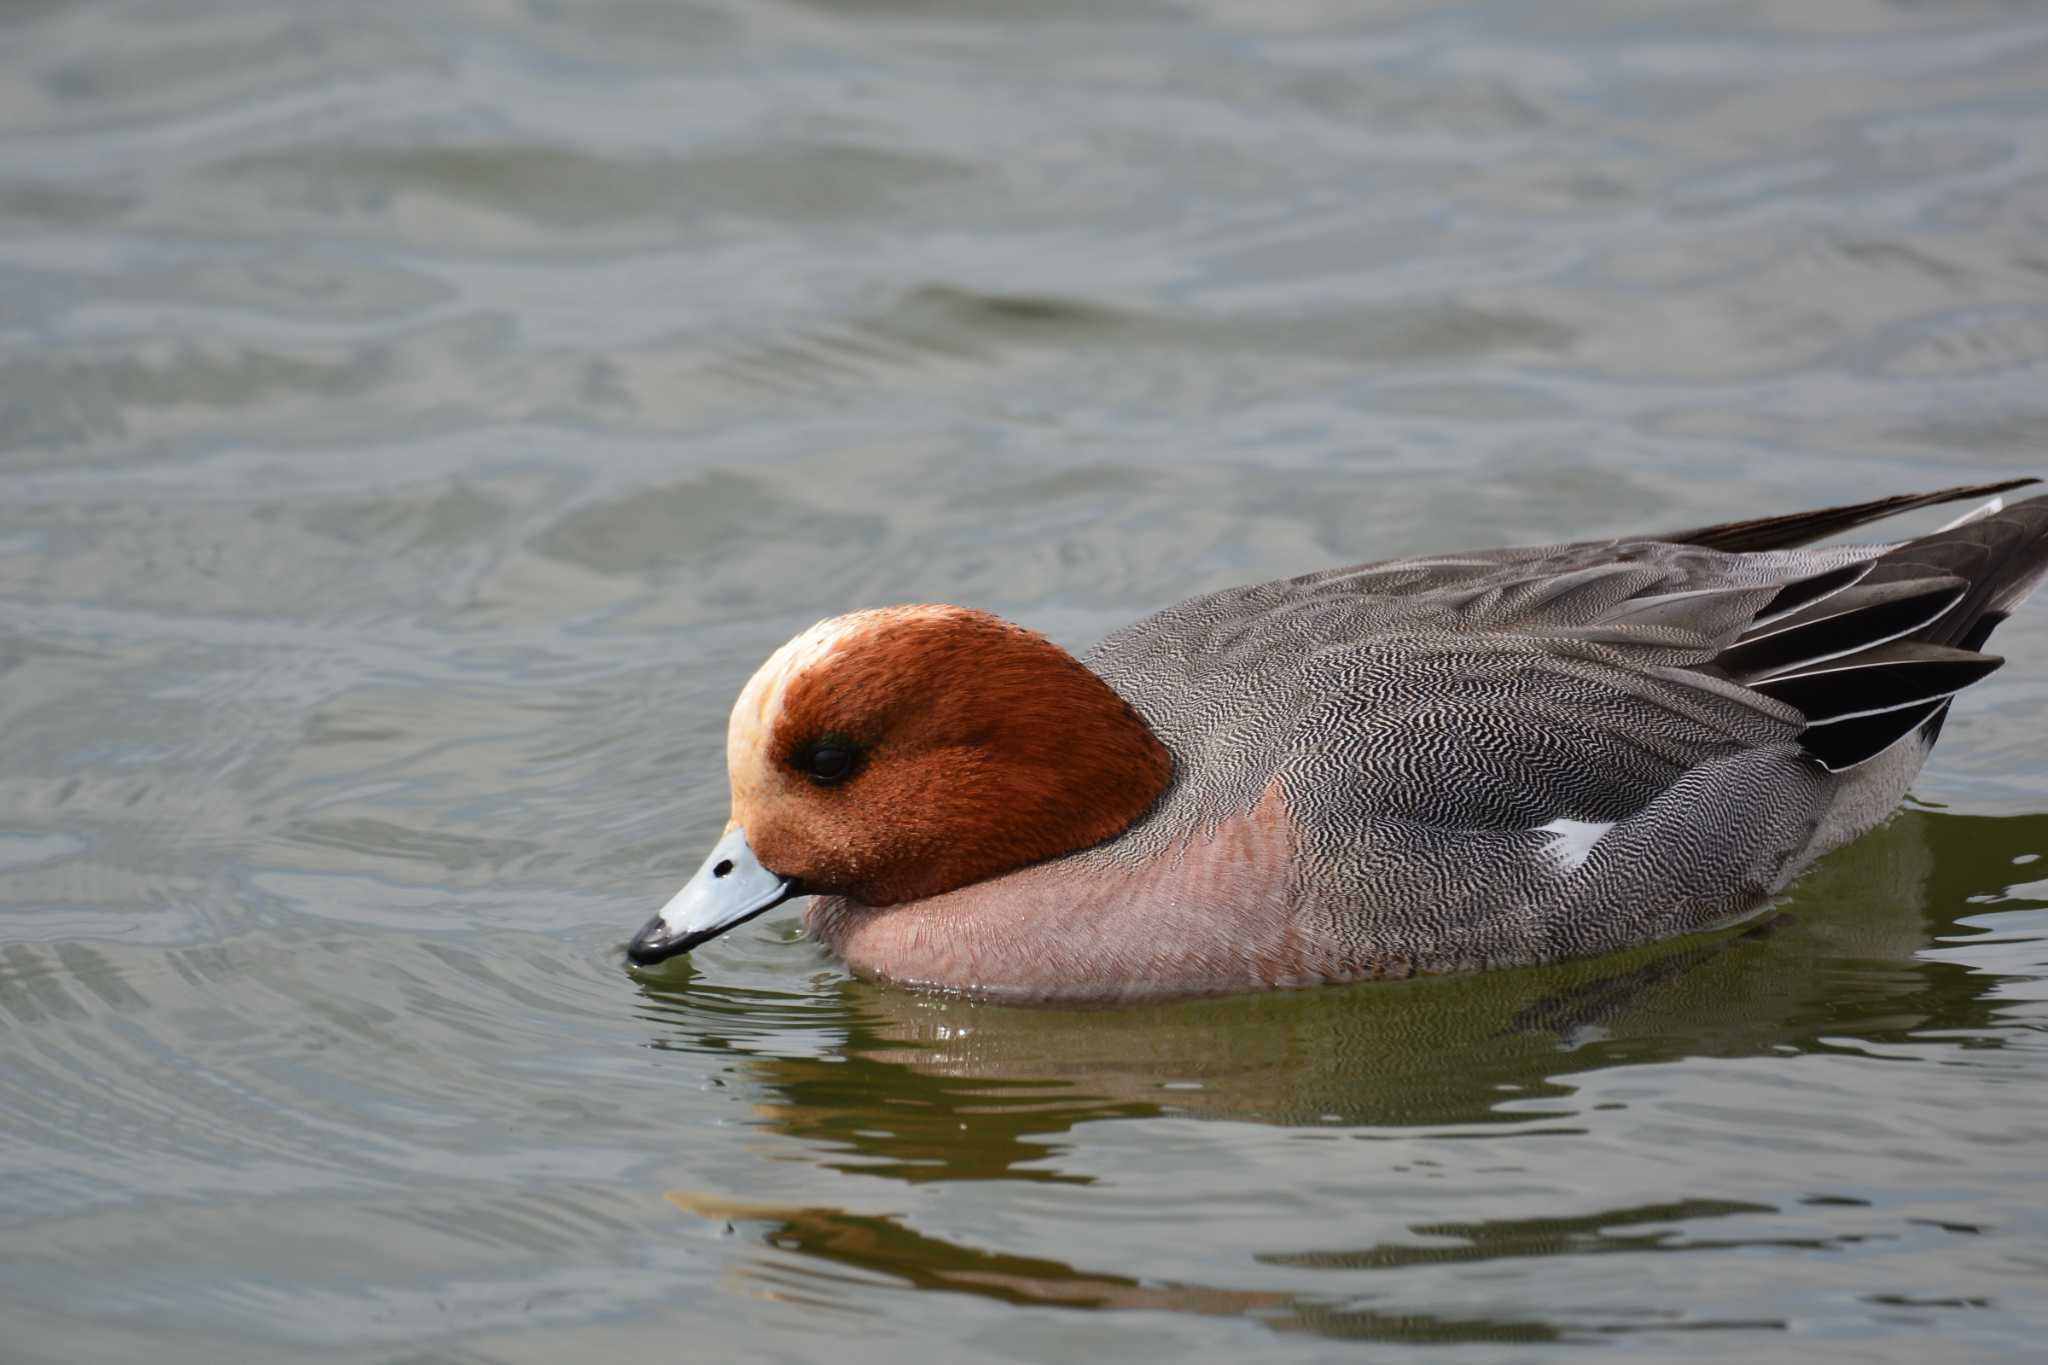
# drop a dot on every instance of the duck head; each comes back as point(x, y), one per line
point(891, 755)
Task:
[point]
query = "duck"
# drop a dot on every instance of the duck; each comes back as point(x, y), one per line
point(1407, 767)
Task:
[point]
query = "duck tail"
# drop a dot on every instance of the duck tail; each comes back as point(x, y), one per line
point(1873, 652)
point(2002, 556)
point(1803, 528)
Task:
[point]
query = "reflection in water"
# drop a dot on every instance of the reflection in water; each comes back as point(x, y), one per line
point(931, 1089)
point(880, 1244)
point(1835, 965)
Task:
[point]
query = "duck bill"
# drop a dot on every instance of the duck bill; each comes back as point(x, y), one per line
point(729, 889)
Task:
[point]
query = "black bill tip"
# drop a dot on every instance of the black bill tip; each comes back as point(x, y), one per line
point(658, 941)
point(654, 943)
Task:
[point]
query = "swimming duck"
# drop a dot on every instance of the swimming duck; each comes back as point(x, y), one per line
point(1416, 766)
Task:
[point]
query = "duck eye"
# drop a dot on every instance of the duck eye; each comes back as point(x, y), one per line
point(830, 762)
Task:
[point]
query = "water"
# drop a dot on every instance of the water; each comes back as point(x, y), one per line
point(416, 420)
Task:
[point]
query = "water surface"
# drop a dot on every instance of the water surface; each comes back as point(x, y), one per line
point(417, 419)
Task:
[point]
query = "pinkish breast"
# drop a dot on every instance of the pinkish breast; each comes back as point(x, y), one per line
point(1221, 913)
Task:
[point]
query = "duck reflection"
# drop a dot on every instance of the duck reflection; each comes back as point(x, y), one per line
point(882, 1244)
point(935, 1089)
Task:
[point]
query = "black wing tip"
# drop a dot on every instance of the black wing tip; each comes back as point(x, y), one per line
point(1887, 678)
point(1850, 742)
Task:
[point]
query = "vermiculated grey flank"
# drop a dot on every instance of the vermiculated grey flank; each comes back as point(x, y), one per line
point(1518, 755)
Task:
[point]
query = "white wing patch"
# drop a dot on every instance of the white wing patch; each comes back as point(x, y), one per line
point(1572, 841)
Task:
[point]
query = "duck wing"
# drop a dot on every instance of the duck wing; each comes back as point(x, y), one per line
point(1531, 753)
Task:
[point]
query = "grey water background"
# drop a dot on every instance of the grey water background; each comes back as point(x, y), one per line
point(417, 419)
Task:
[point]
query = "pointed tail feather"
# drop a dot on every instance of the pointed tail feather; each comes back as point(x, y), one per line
point(2003, 558)
point(1803, 528)
point(1873, 652)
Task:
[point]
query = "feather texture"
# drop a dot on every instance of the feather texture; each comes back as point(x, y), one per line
point(1448, 733)
point(1485, 758)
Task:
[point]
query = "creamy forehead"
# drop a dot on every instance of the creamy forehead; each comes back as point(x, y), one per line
point(759, 708)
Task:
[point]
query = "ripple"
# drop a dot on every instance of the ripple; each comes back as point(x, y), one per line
point(158, 389)
point(303, 286)
point(696, 518)
point(43, 207)
point(937, 335)
point(528, 194)
point(20, 851)
point(1963, 344)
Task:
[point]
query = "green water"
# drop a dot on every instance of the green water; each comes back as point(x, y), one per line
point(417, 420)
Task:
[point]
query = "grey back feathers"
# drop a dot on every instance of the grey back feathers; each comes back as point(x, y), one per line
point(1522, 754)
